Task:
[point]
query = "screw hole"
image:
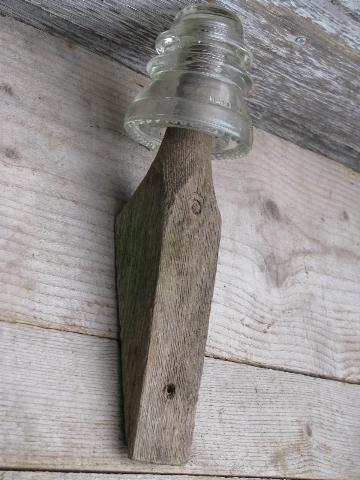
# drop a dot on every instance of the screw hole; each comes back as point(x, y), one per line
point(170, 390)
point(196, 207)
point(197, 203)
point(300, 40)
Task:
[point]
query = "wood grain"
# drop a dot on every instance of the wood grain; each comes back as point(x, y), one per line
point(60, 409)
point(17, 475)
point(167, 243)
point(306, 64)
point(287, 292)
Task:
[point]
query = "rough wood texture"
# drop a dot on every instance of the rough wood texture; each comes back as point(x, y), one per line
point(287, 290)
point(167, 243)
point(16, 475)
point(306, 65)
point(60, 408)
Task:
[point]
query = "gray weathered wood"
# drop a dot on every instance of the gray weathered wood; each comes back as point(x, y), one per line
point(287, 290)
point(60, 409)
point(306, 57)
point(17, 475)
point(167, 243)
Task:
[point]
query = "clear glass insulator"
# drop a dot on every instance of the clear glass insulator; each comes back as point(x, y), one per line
point(199, 80)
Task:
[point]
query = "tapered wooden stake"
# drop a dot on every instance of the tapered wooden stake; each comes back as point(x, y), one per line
point(167, 241)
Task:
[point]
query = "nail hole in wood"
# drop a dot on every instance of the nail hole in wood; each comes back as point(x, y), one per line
point(197, 204)
point(170, 390)
point(196, 207)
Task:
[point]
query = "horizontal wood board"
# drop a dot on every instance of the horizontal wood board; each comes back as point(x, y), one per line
point(306, 66)
point(60, 409)
point(287, 291)
point(26, 475)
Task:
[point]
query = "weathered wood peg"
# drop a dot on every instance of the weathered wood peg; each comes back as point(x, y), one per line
point(167, 236)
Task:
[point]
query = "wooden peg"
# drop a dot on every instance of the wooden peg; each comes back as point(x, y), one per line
point(167, 241)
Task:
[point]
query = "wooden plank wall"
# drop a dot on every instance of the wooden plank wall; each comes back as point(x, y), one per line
point(25, 475)
point(306, 64)
point(60, 409)
point(286, 296)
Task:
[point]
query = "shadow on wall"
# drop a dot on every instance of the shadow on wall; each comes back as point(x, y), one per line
point(96, 103)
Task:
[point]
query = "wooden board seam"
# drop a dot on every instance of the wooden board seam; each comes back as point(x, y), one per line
point(60, 389)
point(153, 474)
point(208, 355)
point(287, 287)
point(317, 44)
